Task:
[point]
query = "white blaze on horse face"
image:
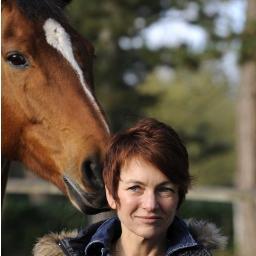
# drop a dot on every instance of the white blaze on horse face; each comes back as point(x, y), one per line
point(57, 37)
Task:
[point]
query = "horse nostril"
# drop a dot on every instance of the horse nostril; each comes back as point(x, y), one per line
point(92, 172)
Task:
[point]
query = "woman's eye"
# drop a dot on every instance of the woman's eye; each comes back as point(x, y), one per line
point(134, 188)
point(17, 60)
point(166, 191)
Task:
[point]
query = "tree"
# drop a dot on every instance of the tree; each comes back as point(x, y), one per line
point(245, 210)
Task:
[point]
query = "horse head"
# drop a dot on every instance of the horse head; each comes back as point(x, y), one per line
point(51, 120)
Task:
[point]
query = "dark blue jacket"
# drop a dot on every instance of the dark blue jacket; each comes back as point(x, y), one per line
point(97, 239)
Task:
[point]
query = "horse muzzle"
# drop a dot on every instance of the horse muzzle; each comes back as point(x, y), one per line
point(88, 202)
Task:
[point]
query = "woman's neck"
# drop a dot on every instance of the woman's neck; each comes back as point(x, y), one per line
point(132, 245)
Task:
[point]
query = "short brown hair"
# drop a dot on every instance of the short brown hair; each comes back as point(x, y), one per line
point(156, 143)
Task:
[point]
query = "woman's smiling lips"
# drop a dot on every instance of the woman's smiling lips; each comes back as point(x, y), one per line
point(149, 219)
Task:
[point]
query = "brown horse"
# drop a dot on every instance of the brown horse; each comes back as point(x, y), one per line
point(51, 121)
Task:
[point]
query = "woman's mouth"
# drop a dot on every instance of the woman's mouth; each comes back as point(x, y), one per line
point(149, 219)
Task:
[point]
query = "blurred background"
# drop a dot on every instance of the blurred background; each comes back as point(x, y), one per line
point(191, 64)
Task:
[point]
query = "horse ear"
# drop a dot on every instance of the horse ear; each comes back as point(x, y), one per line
point(62, 3)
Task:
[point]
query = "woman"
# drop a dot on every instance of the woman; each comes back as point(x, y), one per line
point(146, 179)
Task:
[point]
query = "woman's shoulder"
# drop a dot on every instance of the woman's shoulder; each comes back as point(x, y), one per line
point(192, 237)
point(54, 244)
point(49, 244)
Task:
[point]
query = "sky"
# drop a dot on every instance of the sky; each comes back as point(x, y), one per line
point(172, 29)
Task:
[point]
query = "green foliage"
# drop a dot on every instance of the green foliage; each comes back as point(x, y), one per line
point(23, 222)
point(202, 111)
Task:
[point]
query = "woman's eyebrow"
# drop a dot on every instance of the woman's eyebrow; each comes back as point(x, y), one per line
point(166, 183)
point(132, 181)
point(136, 182)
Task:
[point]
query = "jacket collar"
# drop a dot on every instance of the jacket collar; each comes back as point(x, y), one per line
point(178, 236)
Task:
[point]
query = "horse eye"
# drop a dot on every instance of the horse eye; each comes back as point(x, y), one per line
point(17, 60)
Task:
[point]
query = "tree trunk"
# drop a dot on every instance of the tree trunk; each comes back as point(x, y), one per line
point(245, 210)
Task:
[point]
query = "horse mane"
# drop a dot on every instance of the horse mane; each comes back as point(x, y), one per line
point(43, 9)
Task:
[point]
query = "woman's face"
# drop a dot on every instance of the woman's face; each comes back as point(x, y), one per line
point(148, 200)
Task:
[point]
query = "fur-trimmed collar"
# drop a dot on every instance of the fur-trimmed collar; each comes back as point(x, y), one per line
point(205, 233)
point(208, 234)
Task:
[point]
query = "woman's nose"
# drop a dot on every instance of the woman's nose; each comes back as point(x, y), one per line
point(149, 201)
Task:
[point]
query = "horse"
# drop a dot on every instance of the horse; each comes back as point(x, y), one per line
point(51, 120)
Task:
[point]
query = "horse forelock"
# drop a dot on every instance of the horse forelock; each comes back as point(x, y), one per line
point(41, 9)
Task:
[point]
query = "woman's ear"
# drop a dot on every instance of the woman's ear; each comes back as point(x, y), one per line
point(110, 199)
